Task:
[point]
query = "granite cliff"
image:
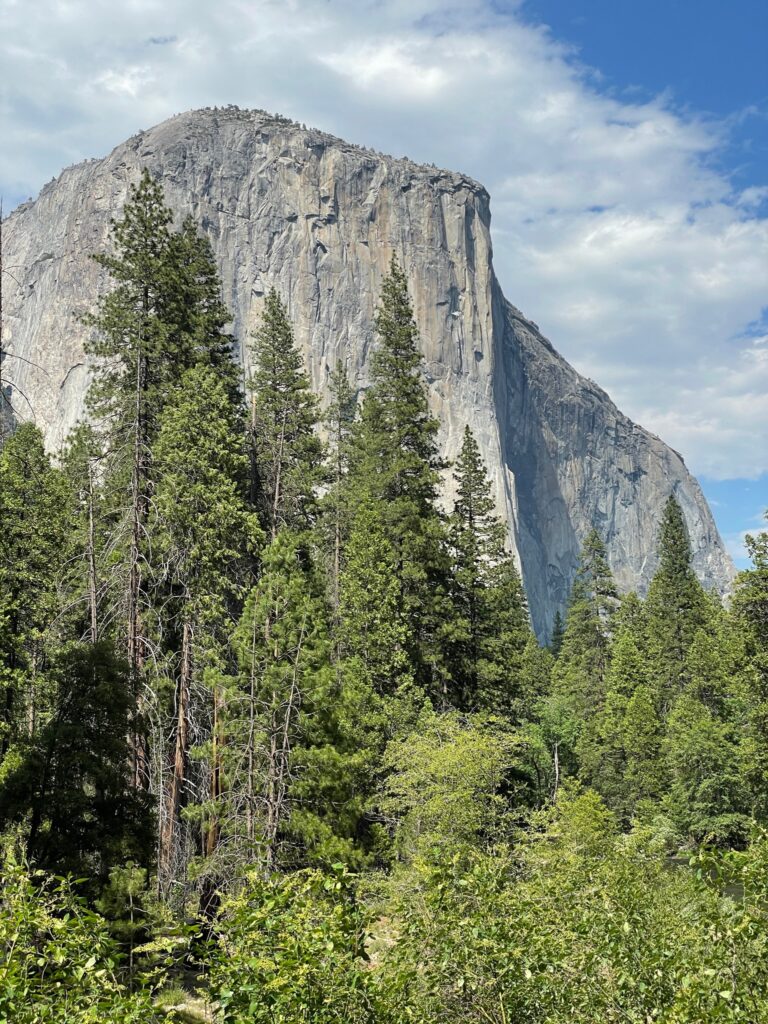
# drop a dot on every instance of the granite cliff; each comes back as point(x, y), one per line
point(319, 219)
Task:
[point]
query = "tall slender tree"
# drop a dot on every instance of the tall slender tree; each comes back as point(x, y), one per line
point(339, 419)
point(162, 316)
point(578, 676)
point(283, 646)
point(489, 627)
point(676, 606)
point(33, 552)
point(205, 543)
point(395, 475)
point(287, 451)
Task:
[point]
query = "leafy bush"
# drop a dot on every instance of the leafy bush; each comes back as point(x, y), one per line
point(293, 952)
point(57, 961)
point(582, 924)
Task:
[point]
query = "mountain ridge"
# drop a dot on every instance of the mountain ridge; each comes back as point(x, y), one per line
point(318, 218)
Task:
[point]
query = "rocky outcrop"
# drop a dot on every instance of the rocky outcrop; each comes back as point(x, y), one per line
point(319, 219)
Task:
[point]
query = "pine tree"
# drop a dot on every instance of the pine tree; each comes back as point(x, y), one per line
point(750, 597)
point(490, 625)
point(623, 741)
point(578, 678)
point(162, 317)
point(71, 779)
point(283, 648)
point(676, 606)
point(558, 631)
point(395, 474)
point(373, 634)
point(339, 419)
point(749, 607)
point(287, 452)
point(476, 538)
point(205, 542)
point(86, 578)
point(33, 552)
point(197, 313)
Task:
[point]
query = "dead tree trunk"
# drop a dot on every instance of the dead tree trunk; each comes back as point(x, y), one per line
point(175, 793)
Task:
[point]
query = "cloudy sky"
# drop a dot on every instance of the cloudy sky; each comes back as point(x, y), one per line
point(624, 144)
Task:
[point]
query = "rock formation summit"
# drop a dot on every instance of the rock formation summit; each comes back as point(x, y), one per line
point(319, 219)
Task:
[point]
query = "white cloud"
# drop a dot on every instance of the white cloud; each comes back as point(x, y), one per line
point(613, 229)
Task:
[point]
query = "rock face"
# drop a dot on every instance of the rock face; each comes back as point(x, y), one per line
point(319, 220)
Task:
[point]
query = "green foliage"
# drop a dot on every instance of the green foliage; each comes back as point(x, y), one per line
point(69, 782)
point(280, 708)
point(620, 748)
point(374, 634)
point(676, 605)
point(59, 963)
point(287, 452)
point(293, 952)
point(576, 925)
point(447, 785)
point(489, 625)
point(395, 475)
point(578, 676)
point(205, 535)
point(163, 316)
point(33, 549)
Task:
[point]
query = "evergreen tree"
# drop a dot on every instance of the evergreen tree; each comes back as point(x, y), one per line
point(205, 541)
point(619, 752)
point(86, 577)
point(339, 419)
point(558, 631)
point(706, 797)
point(287, 452)
point(508, 637)
point(373, 633)
point(750, 618)
point(198, 316)
point(578, 677)
point(676, 605)
point(33, 551)
point(71, 778)
point(162, 317)
point(283, 647)
point(489, 624)
point(750, 598)
point(395, 475)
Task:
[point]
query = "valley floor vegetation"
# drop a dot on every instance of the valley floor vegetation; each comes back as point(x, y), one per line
point(274, 724)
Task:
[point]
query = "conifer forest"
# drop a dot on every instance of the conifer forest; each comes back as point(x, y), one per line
point(278, 743)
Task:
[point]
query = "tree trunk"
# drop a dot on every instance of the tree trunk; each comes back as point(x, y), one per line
point(92, 578)
point(278, 475)
point(138, 519)
point(174, 796)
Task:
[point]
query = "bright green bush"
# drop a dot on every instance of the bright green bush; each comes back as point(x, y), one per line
point(581, 924)
point(58, 964)
point(293, 952)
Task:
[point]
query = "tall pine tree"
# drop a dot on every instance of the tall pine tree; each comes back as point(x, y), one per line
point(205, 543)
point(162, 317)
point(676, 606)
point(489, 626)
point(395, 476)
point(287, 452)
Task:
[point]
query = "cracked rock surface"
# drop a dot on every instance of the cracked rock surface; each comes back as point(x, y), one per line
point(319, 219)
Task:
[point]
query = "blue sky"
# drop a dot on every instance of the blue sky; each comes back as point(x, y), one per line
point(624, 144)
point(708, 57)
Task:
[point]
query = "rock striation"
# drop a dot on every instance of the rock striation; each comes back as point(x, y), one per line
point(319, 219)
